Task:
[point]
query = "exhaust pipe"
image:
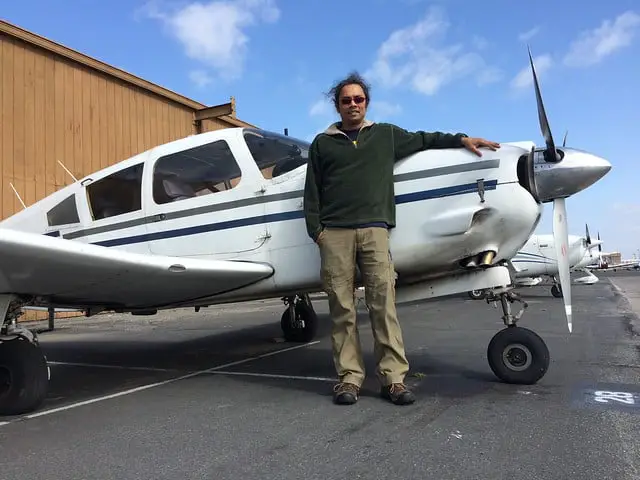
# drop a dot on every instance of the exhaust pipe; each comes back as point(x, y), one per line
point(479, 260)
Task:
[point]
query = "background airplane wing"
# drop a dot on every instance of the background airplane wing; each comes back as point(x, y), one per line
point(78, 274)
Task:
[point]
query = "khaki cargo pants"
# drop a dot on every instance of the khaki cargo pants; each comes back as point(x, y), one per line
point(340, 249)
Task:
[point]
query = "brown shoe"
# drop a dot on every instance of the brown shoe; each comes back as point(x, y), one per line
point(398, 394)
point(345, 393)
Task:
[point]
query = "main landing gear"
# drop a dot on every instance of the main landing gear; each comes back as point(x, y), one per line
point(477, 294)
point(516, 354)
point(556, 289)
point(299, 321)
point(24, 373)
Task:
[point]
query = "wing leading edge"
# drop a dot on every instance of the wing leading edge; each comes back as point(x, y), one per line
point(71, 273)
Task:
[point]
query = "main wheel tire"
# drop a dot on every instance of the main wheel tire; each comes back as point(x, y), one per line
point(24, 376)
point(304, 327)
point(518, 355)
point(477, 294)
point(556, 291)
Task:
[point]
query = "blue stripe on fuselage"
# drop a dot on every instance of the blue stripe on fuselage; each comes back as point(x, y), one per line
point(291, 215)
point(541, 262)
point(211, 227)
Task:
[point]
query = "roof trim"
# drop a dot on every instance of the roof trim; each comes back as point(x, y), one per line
point(236, 122)
point(87, 61)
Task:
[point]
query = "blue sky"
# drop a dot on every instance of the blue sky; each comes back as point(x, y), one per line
point(450, 65)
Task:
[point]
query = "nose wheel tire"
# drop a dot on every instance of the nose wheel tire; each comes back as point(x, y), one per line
point(518, 355)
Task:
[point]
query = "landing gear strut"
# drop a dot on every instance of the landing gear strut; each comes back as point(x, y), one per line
point(24, 373)
point(556, 289)
point(299, 321)
point(516, 354)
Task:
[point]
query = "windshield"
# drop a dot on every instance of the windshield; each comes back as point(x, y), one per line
point(276, 154)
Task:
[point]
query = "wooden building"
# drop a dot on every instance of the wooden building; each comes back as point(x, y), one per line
point(61, 110)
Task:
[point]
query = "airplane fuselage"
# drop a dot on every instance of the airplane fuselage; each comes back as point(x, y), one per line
point(226, 204)
point(538, 257)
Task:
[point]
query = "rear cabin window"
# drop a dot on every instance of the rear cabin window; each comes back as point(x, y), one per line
point(276, 154)
point(64, 213)
point(195, 172)
point(117, 194)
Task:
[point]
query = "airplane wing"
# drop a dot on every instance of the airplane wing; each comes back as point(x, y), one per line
point(74, 274)
point(621, 265)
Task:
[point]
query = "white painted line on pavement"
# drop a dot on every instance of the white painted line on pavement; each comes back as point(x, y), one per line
point(156, 384)
point(615, 287)
point(115, 367)
point(274, 375)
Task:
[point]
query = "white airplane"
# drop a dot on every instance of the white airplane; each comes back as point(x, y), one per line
point(217, 217)
point(598, 261)
point(537, 259)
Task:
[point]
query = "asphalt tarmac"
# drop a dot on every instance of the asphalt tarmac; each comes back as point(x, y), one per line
point(217, 395)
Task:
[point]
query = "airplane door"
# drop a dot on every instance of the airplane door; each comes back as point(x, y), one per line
point(281, 161)
point(200, 203)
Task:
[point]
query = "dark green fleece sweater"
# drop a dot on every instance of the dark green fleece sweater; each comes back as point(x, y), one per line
point(351, 183)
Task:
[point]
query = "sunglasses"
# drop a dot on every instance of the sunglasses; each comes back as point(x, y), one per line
point(347, 100)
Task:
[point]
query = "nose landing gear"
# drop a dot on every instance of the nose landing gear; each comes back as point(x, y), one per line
point(515, 354)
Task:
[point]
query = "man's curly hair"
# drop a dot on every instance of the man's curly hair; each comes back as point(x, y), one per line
point(351, 79)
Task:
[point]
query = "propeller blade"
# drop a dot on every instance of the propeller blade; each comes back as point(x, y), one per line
point(551, 155)
point(561, 240)
point(586, 227)
point(599, 245)
point(564, 140)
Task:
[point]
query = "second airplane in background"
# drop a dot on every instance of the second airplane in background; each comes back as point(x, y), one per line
point(536, 262)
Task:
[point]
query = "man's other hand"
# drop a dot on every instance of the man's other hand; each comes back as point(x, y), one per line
point(472, 144)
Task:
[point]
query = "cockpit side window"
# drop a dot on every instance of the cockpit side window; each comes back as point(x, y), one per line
point(64, 213)
point(275, 154)
point(198, 171)
point(117, 194)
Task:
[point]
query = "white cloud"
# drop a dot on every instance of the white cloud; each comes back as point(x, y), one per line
point(419, 57)
point(320, 108)
point(592, 46)
point(489, 75)
point(524, 78)
point(529, 34)
point(382, 110)
point(479, 42)
point(200, 78)
point(214, 33)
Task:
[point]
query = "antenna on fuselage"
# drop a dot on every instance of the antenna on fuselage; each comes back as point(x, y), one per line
point(17, 195)
point(67, 170)
point(286, 132)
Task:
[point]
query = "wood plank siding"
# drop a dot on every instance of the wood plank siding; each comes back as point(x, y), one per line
point(58, 105)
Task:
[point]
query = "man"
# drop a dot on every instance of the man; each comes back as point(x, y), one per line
point(349, 208)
